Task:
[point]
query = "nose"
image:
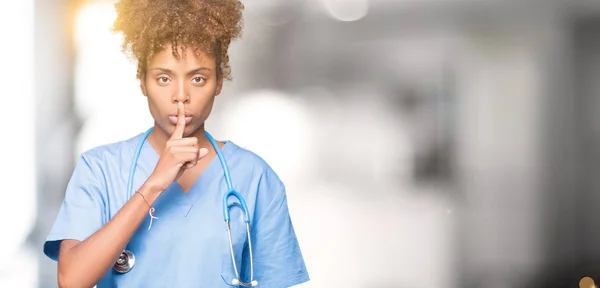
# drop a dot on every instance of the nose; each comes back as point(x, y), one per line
point(181, 94)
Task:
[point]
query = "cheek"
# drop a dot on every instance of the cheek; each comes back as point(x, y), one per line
point(159, 95)
point(157, 104)
point(203, 103)
point(154, 109)
point(209, 105)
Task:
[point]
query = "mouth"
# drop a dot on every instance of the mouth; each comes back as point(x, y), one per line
point(174, 118)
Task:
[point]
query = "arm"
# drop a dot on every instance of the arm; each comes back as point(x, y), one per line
point(278, 260)
point(83, 264)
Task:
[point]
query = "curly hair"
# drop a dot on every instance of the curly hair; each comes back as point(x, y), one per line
point(205, 25)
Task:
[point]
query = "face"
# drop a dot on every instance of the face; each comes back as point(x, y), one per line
point(191, 79)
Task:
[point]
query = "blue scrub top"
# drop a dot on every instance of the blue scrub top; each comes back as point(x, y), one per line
point(188, 245)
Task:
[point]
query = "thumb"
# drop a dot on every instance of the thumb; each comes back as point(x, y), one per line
point(202, 153)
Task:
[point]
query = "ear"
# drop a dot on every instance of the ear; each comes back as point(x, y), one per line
point(143, 86)
point(219, 87)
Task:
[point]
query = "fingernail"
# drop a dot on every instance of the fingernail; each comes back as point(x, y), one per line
point(179, 104)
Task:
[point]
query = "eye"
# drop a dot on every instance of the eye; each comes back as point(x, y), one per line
point(163, 79)
point(198, 80)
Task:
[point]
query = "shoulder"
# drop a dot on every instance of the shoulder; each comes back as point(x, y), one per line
point(254, 166)
point(114, 151)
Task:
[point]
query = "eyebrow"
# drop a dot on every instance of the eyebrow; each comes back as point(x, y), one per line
point(168, 71)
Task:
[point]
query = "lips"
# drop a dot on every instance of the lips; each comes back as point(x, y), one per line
point(173, 119)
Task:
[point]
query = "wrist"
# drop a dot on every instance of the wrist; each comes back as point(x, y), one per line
point(149, 189)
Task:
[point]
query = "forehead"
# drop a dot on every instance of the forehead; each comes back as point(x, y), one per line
point(187, 58)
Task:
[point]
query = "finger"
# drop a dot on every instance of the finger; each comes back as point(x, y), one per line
point(182, 149)
point(202, 152)
point(188, 141)
point(191, 163)
point(182, 154)
point(184, 159)
point(178, 133)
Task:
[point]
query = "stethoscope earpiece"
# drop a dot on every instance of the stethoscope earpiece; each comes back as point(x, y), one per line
point(125, 262)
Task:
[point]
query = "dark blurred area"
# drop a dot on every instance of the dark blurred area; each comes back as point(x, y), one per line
point(423, 143)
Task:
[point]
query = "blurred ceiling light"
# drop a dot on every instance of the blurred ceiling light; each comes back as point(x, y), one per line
point(100, 61)
point(95, 44)
point(347, 10)
point(93, 23)
point(274, 126)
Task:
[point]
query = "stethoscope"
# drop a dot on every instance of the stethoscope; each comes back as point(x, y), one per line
point(126, 260)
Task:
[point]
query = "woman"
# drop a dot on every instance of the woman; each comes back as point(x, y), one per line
point(172, 219)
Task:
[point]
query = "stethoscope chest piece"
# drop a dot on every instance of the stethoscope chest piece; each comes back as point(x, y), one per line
point(125, 262)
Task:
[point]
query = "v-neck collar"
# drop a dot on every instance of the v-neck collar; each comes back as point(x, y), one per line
point(186, 201)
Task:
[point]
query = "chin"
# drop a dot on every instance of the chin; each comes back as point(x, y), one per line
point(189, 130)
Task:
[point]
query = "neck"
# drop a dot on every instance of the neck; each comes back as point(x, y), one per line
point(158, 138)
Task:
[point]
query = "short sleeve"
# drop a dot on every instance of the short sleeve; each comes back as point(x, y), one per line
point(81, 212)
point(278, 261)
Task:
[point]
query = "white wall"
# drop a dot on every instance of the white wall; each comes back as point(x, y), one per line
point(17, 168)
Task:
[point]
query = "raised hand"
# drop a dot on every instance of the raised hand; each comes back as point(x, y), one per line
point(178, 155)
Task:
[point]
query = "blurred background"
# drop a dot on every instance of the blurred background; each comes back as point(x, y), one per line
point(424, 143)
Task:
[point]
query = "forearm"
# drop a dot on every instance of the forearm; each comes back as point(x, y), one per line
point(84, 264)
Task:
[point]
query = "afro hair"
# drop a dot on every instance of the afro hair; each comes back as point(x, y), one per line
point(207, 26)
